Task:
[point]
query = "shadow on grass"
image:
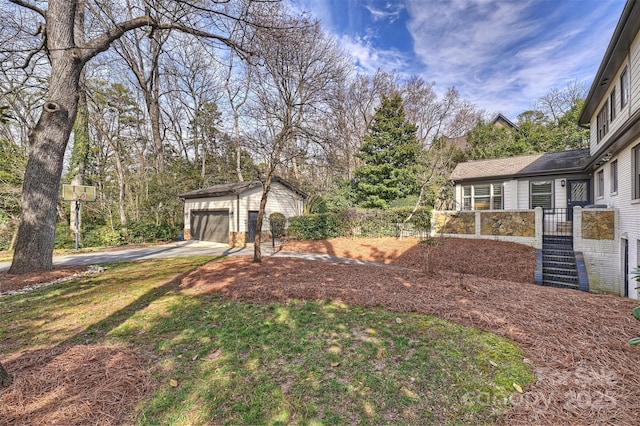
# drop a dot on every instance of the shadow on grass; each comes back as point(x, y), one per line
point(66, 295)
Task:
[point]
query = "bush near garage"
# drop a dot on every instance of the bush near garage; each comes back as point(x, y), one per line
point(358, 223)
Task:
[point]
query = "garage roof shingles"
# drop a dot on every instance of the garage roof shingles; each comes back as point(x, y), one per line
point(234, 189)
point(525, 165)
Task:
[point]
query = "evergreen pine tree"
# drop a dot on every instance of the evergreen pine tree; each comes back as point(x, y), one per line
point(389, 153)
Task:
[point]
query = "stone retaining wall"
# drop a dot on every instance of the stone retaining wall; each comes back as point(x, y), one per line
point(508, 223)
point(454, 222)
point(598, 224)
point(519, 226)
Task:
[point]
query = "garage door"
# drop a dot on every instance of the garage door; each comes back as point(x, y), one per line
point(210, 225)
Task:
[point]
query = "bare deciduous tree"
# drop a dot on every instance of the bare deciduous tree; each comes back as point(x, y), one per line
point(68, 56)
point(301, 69)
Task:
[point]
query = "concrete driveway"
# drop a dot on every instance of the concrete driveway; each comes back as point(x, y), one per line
point(174, 249)
point(189, 248)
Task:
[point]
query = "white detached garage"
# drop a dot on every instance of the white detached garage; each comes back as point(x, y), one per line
point(227, 213)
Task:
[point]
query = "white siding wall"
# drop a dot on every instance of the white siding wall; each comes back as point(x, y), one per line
point(523, 194)
point(516, 193)
point(559, 194)
point(458, 195)
point(632, 63)
point(629, 210)
point(511, 195)
point(634, 67)
point(280, 200)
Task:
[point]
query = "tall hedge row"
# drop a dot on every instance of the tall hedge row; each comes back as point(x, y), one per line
point(358, 222)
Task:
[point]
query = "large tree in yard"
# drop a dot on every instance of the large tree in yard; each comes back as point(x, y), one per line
point(389, 151)
point(68, 55)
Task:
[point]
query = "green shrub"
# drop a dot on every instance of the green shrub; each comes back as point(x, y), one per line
point(278, 223)
point(636, 311)
point(317, 226)
point(150, 232)
point(63, 238)
point(315, 204)
point(113, 237)
point(104, 236)
point(358, 222)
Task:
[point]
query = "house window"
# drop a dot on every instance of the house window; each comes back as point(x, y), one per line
point(612, 103)
point(541, 194)
point(624, 88)
point(497, 197)
point(603, 121)
point(482, 197)
point(635, 171)
point(466, 197)
point(613, 171)
point(600, 184)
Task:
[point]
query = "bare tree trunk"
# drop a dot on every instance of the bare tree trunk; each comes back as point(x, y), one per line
point(266, 186)
point(239, 162)
point(154, 117)
point(80, 128)
point(47, 144)
point(14, 238)
point(5, 378)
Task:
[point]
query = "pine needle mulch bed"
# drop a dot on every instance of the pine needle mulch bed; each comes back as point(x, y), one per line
point(577, 342)
point(10, 283)
point(74, 385)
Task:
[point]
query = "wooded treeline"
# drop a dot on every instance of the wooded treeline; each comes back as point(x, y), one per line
point(165, 109)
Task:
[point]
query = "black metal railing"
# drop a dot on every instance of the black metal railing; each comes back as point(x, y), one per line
point(557, 222)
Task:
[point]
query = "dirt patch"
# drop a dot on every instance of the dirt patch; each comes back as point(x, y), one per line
point(77, 385)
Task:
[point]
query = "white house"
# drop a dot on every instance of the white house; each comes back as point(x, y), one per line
point(227, 213)
point(552, 180)
point(605, 177)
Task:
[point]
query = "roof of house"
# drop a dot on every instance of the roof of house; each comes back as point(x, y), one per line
point(616, 53)
point(524, 165)
point(235, 188)
point(501, 120)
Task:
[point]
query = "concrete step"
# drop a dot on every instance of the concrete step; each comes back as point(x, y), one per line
point(563, 256)
point(567, 279)
point(558, 252)
point(560, 284)
point(557, 247)
point(557, 238)
point(546, 264)
point(564, 271)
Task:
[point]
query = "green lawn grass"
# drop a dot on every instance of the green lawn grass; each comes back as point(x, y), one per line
point(216, 361)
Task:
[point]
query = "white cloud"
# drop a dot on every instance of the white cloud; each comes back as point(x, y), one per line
point(503, 55)
point(368, 59)
point(391, 11)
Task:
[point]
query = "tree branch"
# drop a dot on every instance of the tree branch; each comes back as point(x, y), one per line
point(41, 47)
point(30, 6)
point(102, 43)
point(201, 33)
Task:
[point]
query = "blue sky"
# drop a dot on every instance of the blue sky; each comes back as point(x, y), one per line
point(501, 55)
